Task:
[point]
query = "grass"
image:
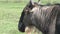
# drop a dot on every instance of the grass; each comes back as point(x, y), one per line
point(9, 16)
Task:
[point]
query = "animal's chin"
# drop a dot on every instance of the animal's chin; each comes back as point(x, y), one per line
point(21, 27)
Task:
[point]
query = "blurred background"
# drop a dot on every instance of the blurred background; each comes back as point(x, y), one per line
point(10, 11)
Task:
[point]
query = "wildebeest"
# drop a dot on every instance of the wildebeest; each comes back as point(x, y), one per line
point(29, 6)
point(21, 25)
point(45, 18)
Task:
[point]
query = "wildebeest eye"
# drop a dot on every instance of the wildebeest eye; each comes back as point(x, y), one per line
point(28, 11)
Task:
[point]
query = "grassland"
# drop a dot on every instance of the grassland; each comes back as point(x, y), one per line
point(9, 16)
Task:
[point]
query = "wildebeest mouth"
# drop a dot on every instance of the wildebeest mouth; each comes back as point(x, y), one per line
point(21, 27)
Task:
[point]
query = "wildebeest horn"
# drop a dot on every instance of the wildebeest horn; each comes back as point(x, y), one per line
point(32, 2)
point(38, 0)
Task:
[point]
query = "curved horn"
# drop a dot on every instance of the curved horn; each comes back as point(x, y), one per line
point(31, 1)
point(38, 0)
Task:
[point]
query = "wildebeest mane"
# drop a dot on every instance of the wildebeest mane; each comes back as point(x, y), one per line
point(51, 13)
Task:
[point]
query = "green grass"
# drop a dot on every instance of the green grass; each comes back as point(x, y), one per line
point(9, 16)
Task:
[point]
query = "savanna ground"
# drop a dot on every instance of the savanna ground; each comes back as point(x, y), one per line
point(10, 13)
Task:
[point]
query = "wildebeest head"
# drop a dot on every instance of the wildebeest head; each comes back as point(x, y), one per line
point(42, 18)
point(25, 12)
